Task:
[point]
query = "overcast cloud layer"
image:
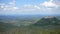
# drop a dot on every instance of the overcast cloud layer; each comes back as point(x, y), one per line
point(47, 7)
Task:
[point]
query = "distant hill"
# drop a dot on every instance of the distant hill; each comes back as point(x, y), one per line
point(48, 21)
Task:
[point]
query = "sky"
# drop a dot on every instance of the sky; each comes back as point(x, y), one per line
point(18, 7)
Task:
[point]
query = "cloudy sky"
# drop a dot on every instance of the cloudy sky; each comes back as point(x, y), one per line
point(17, 7)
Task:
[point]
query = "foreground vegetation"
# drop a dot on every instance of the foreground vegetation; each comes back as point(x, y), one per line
point(46, 25)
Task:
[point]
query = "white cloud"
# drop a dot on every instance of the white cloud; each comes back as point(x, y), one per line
point(51, 0)
point(31, 6)
point(37, 7)
point(15, 8)
point(1, 6)
point(49, 4)
point(13, 2)
point(57, 2)
point(47, 7)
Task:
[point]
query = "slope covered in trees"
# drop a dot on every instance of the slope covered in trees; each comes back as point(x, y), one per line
point(45, 21)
